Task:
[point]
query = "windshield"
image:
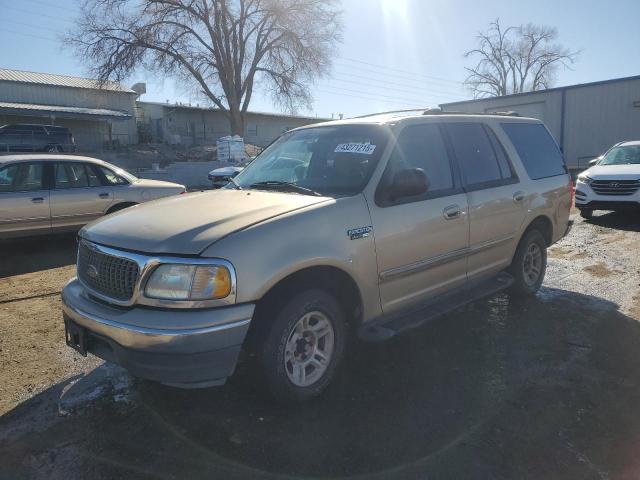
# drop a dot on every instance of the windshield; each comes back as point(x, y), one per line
point(330, 160)
point(624, 155)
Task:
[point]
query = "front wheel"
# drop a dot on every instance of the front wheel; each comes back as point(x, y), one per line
point(303, 346)
point(529, 263)
point(586, 214)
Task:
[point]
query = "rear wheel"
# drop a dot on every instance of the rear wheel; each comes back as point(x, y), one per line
point(303, 345)
point(529, 263)
point(586, 214)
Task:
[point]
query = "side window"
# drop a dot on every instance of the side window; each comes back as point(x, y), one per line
point(7, 176)
point(422, 146)
point(536, 148)
point(112, 177)
point(30, 177)
point(21, 177)
point(506, 169)
point(71, 175)
point(477, 156)
point(92, 174)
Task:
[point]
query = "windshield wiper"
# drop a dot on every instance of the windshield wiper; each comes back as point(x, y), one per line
point(278, 185)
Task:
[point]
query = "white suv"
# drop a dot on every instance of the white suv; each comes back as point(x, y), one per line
point(613, 183)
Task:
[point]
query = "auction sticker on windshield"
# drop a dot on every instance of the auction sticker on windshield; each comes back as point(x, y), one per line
point(362, 148)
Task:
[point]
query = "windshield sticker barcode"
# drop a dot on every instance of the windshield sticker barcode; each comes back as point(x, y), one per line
point(362, 148)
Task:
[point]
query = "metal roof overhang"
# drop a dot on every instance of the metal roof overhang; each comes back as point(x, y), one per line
point(59, 111)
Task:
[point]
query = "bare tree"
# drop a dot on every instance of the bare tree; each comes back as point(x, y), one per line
point(515, 60)
point(224, 48)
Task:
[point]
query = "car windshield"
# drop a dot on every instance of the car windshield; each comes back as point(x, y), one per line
point(330, 160)
point(623, 155)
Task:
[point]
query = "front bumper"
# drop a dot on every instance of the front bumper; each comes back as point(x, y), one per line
point(586, 198)
point(184, 348)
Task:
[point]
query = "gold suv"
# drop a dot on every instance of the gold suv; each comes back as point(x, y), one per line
point(370, 226)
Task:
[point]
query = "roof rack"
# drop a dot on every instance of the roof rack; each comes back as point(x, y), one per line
point(438, 111)
point(392, 111)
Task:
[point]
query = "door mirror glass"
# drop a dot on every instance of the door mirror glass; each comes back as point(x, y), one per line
point(409, 182)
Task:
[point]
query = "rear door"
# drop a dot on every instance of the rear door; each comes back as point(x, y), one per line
point(24, 200)
point(79, 195)
point(495, 198)
point(421, 242)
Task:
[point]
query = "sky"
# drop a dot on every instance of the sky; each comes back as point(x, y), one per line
point(396, 54)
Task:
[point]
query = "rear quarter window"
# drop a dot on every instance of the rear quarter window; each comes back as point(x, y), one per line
point(536, 148)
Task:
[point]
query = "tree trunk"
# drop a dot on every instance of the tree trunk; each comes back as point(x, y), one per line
point(236, 120)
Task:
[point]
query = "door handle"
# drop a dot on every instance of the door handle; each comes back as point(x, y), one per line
point(37, 199)
point(104, 195)
point(518, 197)
point(451, 212)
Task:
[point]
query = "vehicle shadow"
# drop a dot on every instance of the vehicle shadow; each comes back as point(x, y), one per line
point(26, 255)
point(627, 221)
point(505, 388)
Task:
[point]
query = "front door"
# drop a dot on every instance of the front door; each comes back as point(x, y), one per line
point(24, 200)
point(79, 195)
point(421, 242)
point(496, 201)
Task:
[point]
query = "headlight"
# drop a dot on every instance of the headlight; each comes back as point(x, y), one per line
point(189, 282)
point(585, 178)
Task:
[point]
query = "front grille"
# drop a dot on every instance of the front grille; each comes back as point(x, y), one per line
point(114, 277)
point(615, 187)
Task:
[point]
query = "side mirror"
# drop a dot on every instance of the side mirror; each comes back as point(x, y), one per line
point(594, 161)
point(409, 183)
point(234, 174)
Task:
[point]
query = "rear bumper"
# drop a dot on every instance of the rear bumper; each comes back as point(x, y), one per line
point(184, 348)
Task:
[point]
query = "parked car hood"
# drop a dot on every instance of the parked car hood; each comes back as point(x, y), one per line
point(187, 224)
point(614, 172)
point(146, 182)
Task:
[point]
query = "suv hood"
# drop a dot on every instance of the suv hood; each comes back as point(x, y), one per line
point(614, 172)
point(187, 224)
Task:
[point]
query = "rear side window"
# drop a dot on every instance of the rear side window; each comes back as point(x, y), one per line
point(537, 149)
point(71, 175)
point(480, 156)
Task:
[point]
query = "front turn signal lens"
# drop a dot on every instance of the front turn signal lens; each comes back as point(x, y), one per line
point(210, 282)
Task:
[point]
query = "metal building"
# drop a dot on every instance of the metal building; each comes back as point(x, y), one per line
point(585, 119)
point(195, 125)
point(98, 115)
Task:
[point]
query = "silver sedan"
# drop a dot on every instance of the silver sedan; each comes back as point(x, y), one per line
point(45, 193)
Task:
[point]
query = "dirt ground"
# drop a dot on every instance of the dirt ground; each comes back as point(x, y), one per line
point(504, 388)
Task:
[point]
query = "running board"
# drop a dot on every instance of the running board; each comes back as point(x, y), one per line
point(389, 327)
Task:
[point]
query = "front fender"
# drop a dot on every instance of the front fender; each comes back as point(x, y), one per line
point(269, 252)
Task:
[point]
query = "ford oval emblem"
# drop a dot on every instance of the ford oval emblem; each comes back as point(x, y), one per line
point(92, 272)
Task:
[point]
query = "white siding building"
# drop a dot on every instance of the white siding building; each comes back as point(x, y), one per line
point(98, 115)
point(193, 125)
point(585, 119)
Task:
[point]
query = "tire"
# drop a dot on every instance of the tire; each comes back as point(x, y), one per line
point(531, 251)
point(119, 206)
point(282, 351)
point(586, 214)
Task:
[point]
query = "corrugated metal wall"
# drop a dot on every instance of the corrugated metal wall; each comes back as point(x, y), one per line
point(192, 126)
point(596, 116)
point(90, 134)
